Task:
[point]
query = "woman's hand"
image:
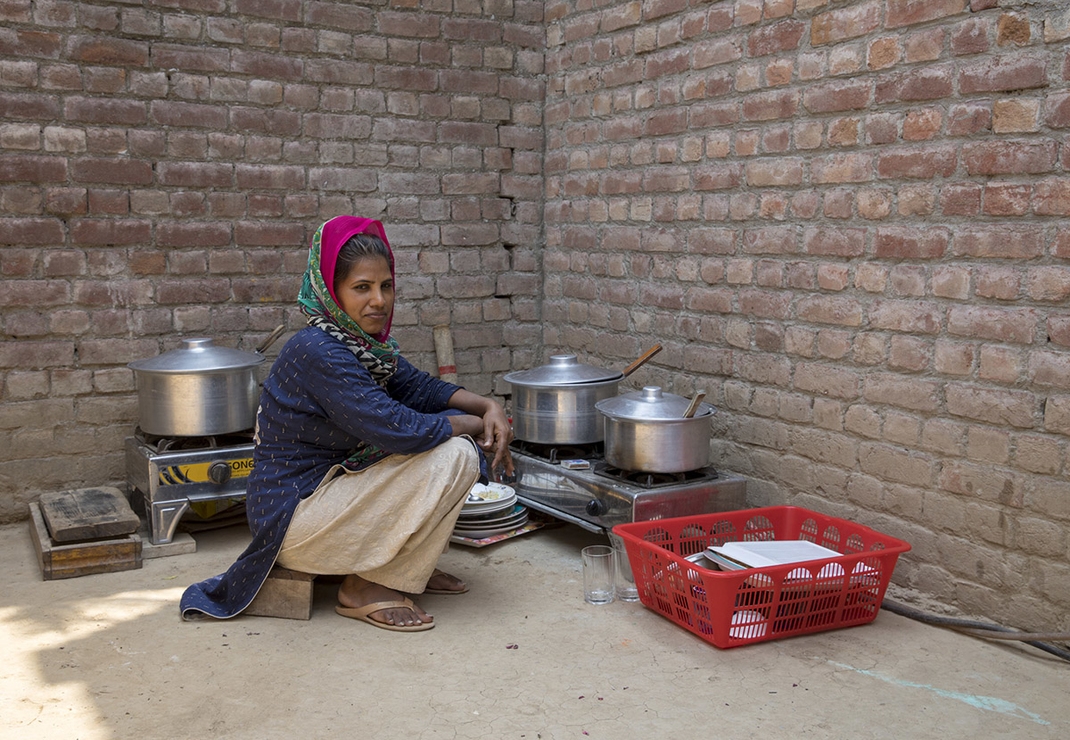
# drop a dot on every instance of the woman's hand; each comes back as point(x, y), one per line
point(487, 423)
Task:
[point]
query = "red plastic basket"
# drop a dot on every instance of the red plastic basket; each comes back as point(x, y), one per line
point(733, 608)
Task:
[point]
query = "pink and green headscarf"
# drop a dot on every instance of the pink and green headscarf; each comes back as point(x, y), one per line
point(379, 353)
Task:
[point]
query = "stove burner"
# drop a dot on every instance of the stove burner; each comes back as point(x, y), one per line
point(557, 453)
point(161, 445)
point(645, 479)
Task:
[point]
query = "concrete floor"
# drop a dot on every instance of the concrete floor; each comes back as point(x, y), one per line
point(520, 656)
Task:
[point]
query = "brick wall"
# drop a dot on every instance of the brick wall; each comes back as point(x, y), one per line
point(847, 222)
point(841, 219)
point(163, 165)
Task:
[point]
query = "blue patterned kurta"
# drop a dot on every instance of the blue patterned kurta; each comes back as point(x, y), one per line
point(317, 403)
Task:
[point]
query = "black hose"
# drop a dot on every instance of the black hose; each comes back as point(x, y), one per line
point(981, 629)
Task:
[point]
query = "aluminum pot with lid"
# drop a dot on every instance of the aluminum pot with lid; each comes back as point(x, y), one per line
point(199, 389)
point(648, 431)
point(555, 403)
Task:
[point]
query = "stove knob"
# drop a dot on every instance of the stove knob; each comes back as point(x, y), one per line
point(219, 472)
point(595, 507)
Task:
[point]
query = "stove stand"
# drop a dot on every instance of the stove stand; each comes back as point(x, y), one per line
point(170, 473)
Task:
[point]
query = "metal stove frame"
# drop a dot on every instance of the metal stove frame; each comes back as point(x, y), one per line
point(598, 503)
point(169, 481)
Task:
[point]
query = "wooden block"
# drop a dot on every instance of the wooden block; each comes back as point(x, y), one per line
point(88, 514)
point(71, 560)
point(286, 594)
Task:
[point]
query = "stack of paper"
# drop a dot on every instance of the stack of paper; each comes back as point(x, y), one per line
point(760, 554)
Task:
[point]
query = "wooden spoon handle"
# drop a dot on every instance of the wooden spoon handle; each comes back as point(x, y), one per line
point(642, 360)
point(694, 404)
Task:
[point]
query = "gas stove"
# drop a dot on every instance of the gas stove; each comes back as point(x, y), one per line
point(173, 473)
point(575, 484)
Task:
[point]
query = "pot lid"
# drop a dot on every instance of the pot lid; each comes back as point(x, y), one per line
point(198, 355)
point(562, 370)
point(650, 404)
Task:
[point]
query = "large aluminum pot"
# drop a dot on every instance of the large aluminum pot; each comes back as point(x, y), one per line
point(198, 390)
point(554, 404)
point(647, 431)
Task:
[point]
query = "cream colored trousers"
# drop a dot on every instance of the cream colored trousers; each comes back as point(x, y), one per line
point(388, 523)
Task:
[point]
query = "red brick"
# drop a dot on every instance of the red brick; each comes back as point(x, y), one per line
point(27, 354)
point(999, 242)
point(193, 291)
point(197, 234)
point(110, 232)
point(1048, 283)
point(264, 234)
point(115, 171)
point(266, 65)
point(32, 107)
point(463, 132)
point(926, 83)
point(196, 174)
point(718, 177)
point(190, 58)
point(666, 122)
point(183, 115)
point(1005, 199)
point(1003, 74)
point(923, 163)
point(710, 52)
point(712, 115)
point(895, 390)
point(1014, 325)
point(840, 311)
point(110, 110)
point(845, 23)
point(838, 95)
point(667, 62)
point(766, 106)
point(108, 51)
point(270, 177)
point(775, 38)
point(31, 231)
point(32, 168)
point(971, 37)
point(970, 118)
point(1000, 407)
point(1009, 157)
point(1059, 330)
point(343, 17)
point(764, 304)
point(783, 171)
point(834, 242)
point(910, 12)
point(711, 241)
point(265, 121)
point(834, 168)
point(915, 317)
point(961, 200)
point(283, 10)
point(1050, 369)
point(660, 8)
point(1051, 197)
point(330, 126)
point(771, 240)
point(1056, 109)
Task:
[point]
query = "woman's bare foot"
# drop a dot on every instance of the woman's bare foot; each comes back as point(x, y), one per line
point(441, 582)
point(356, 592)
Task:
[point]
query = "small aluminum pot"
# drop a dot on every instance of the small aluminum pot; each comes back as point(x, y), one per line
point(197, 390)
point(646, 431)
point(554, 404)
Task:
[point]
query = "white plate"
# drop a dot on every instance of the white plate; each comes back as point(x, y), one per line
point(490, 492)
point(512, 521)
point(478, 534)
point(488, 507)
point(475, 519)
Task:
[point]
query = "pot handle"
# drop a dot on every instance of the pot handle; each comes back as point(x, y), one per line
point(272, 337)
point(642, 360)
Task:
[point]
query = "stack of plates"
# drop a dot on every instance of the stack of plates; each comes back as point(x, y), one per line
point(490, 510)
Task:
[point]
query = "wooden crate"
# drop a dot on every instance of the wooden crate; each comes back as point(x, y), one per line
point(69, 560)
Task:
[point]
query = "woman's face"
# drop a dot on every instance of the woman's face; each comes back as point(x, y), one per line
point(366, 294)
